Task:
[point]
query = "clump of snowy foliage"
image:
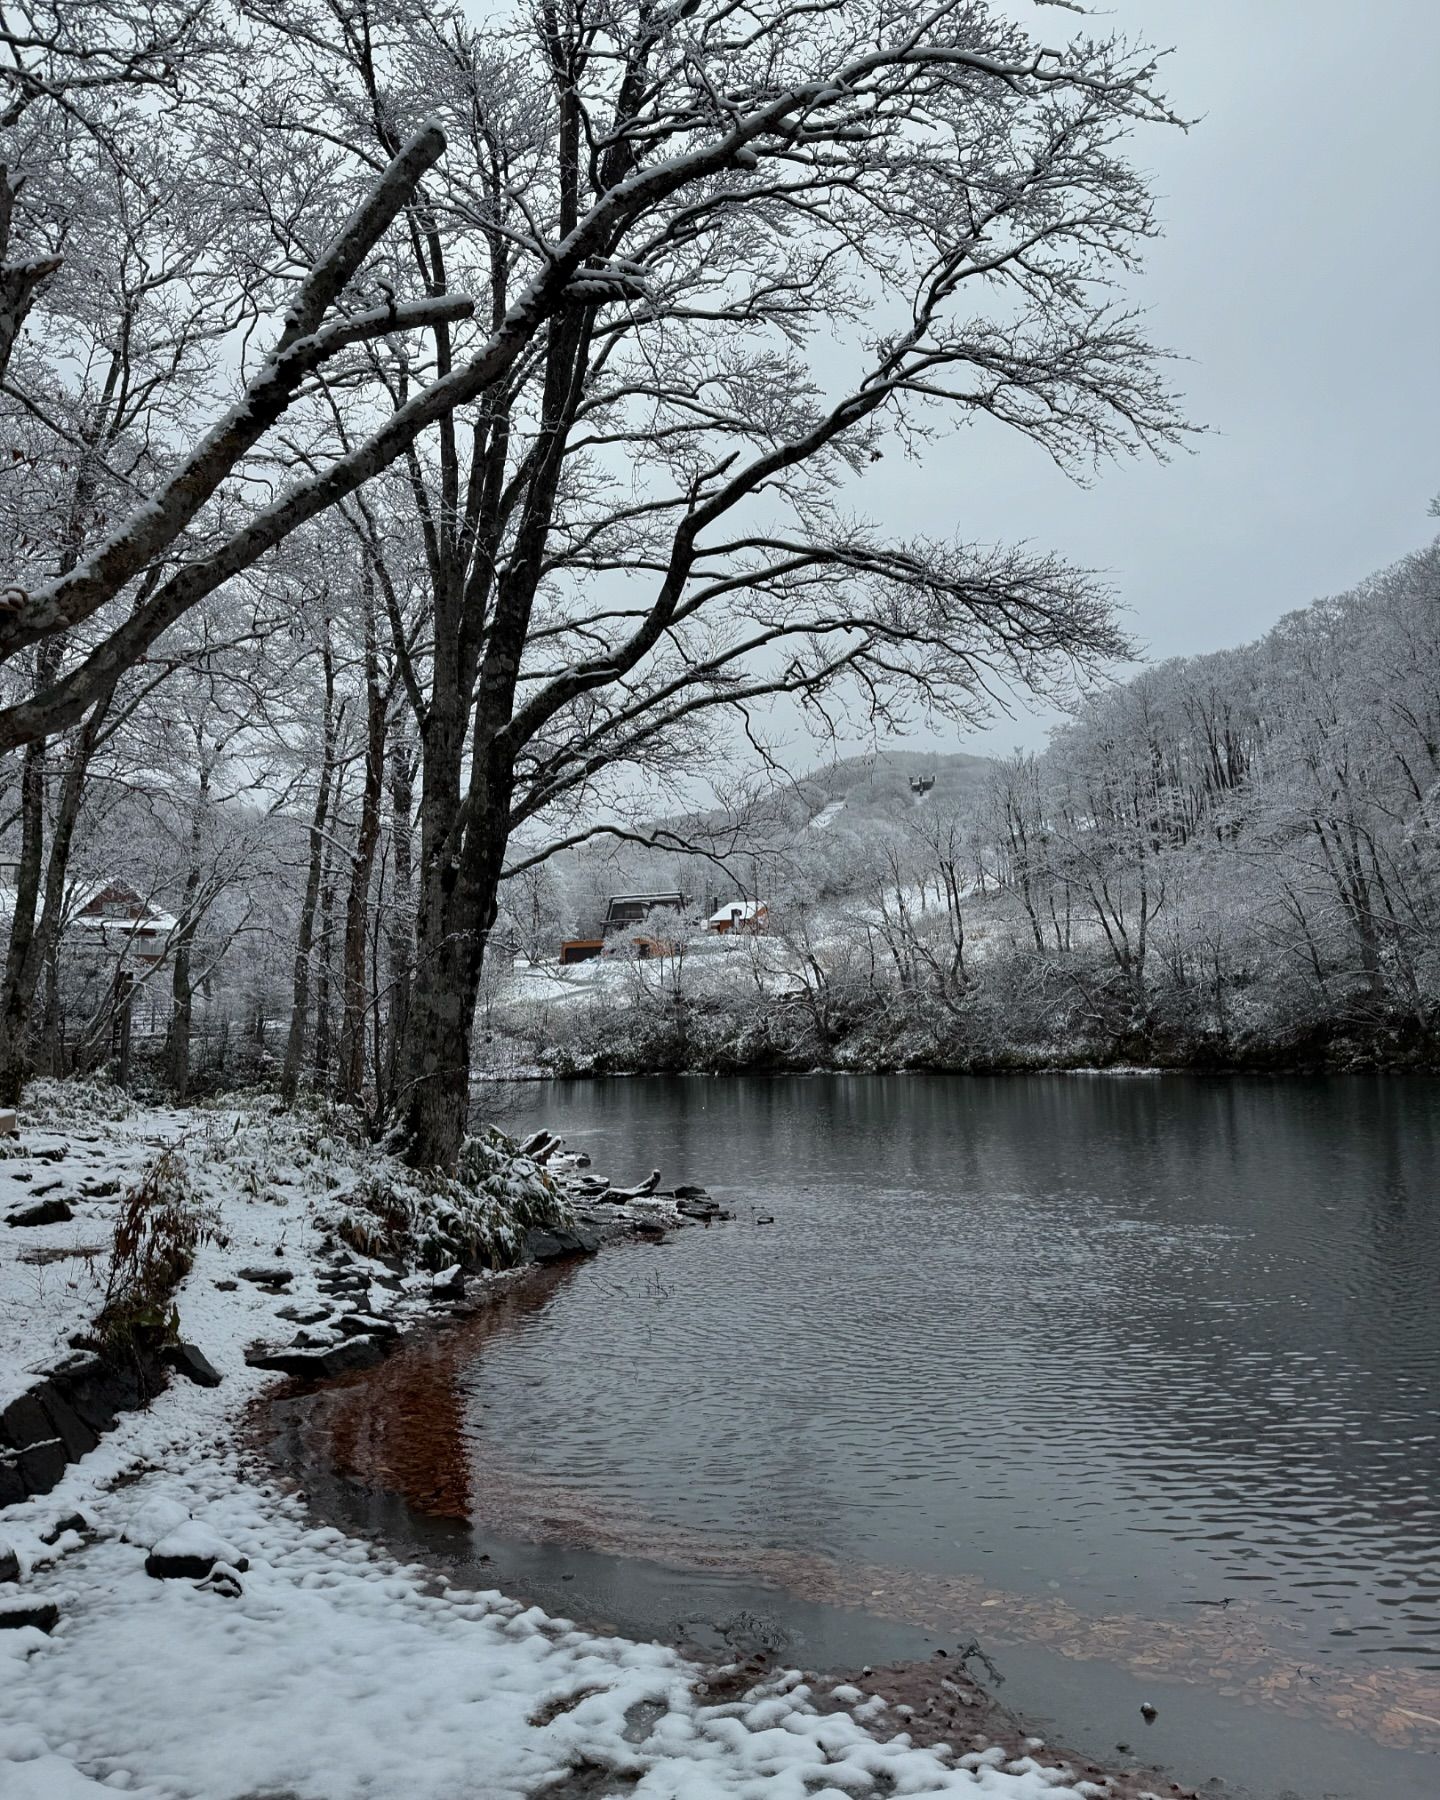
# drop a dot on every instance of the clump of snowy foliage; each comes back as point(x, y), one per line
point(368, 1198)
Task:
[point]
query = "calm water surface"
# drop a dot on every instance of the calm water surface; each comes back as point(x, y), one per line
point(1132, 1378)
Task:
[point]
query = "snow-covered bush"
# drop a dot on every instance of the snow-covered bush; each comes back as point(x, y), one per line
point(368, 1198)
point(52, 1105)
point(160, 1226)
point(479, 1215)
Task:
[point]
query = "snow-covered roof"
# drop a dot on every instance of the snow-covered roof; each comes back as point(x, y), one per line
point(151, 923)
point(737, 909)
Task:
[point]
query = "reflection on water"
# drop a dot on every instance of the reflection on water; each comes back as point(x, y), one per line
point(1140, 1369)
point(1151, 1340)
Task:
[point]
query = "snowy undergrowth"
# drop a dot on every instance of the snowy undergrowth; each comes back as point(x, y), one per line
point(371, 1199)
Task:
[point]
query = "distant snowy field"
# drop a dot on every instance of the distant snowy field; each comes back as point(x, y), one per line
point(335, 1672)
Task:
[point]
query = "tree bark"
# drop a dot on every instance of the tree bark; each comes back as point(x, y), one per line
point(182, 990)
point(322, 982)
point(357, 899)
point(34, 942)
point(401, 935)
point(305, 938)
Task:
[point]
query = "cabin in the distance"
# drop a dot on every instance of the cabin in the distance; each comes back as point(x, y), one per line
point(738, 916)
point(107, 917)
point(619, 935)
point(116, 919)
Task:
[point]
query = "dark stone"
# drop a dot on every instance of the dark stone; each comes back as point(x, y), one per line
point(700, 1209)
point(227, 1287)
point(42, 1465)
point(77, 1437)
point(100, 1190)
point(168, 1566)
point(354, 1353)
point(302, 1315)
point(266, 1277)
point(9, 1564)
point(293, 1361)
point(192, 1363)
point(43, 1212)
point(44, 1615)
point(69, 1522)
point(358, 1324)
point(336, 1359)
point(223, 1580)
point(96, 1392)
point(24, 1421)
point(687, 1191)
point(550, 1246)
point(12, 1487)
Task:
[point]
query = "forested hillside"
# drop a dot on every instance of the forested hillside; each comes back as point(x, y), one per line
point(1227, 859)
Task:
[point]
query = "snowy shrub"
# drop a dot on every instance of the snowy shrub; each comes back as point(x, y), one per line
point(160, 1226)
point(369, 1198)
point(479, 1215)
point(53, 1105)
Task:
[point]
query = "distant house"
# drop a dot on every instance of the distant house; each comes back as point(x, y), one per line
point(105, 916)
point(739, 915)
point(618, 935)
point(921, 784)
point(626, 910)
point(115, 919)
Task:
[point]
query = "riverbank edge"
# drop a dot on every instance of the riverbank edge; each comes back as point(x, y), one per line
point(939, 1702)
point(1409, 1051)
point(78, 1512)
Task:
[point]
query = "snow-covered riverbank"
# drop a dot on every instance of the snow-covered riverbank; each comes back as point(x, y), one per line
point(305, 1663)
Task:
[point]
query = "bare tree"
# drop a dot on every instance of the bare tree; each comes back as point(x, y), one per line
point(742, 263)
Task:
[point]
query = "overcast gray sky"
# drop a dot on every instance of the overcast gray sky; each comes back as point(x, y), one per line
point(1300, 274)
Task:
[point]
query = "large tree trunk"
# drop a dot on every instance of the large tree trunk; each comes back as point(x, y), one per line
point(459, 898)
point(182, 994)
point(34, 941)
point(322, 980)
point(305, 938)
point(357, 899)
point(25, 954)
point(400, 935)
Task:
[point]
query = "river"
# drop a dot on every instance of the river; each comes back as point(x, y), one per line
point(1131, 1380)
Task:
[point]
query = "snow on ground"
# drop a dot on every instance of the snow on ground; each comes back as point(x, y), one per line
point(317, 1667)
point(51, 1275)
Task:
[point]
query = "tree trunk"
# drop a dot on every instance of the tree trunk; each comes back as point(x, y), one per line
point(181, 1014)
point(357, 899)
point(124, 1015)
point(400, 948)
point(25, 954)
point(305, 938)
point(32, 942)
point(322, 979)
point(459, 900)
point(181, 988)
